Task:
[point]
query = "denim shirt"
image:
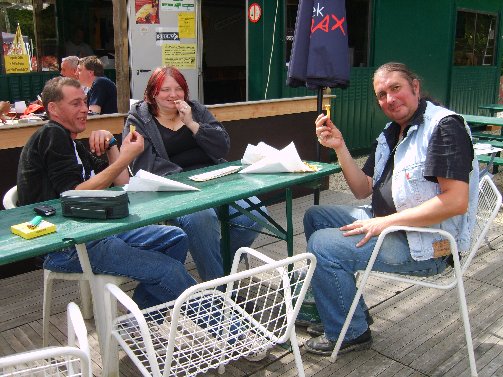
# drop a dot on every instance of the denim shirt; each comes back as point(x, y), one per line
point(410, 188)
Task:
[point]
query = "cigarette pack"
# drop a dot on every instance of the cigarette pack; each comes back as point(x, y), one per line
point(24, 231)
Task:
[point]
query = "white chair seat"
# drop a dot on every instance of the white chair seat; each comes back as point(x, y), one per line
point(68, 360)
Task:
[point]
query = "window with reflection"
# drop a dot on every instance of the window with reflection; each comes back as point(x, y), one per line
point(357, 15)
point(475, 38)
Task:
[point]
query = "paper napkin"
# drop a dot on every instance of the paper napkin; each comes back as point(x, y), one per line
point(286, 160)
point(145, 181)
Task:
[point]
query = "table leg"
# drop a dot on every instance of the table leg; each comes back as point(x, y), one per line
point(97, 283)
point(225, 238)
point(289, 221)
point(268, 223)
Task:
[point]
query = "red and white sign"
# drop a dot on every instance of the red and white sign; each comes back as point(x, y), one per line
point(254, 12)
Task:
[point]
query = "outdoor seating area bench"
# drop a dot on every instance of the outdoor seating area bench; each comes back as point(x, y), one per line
point(482, 120)
point(477, 121)
point(497, 161)
point(484, 136)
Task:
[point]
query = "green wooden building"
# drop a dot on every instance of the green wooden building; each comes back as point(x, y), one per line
point(454, 45)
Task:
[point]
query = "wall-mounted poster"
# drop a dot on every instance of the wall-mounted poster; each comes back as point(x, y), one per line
point(147, 11)
point(182, 56)
point(187, 24)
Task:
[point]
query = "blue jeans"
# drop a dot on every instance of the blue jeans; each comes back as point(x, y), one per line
point(153, 255)
point(334, 284)
point(203, 230)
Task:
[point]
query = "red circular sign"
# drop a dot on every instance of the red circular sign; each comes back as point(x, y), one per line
point(254, 12)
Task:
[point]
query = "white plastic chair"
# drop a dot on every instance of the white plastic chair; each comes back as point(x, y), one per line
point(207, 327)
point(54, 361)
point(85, 295)
point(10, 198)
point(488, 206)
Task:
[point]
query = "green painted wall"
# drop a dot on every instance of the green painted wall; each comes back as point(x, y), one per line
point(419, 34)
point(265, 36)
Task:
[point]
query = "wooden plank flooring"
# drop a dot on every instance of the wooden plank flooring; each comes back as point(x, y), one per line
point(416, 331)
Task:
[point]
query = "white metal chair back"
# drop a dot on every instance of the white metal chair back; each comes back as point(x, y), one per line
point(54, 361)
point(215, 322)
point(489, 203)
point(10, 198)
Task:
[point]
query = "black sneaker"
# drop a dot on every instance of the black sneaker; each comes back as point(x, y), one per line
point(317, 329)
point(323, 346)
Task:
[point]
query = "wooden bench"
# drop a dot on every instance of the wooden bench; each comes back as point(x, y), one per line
point(492, 166)
point(485, 159)
point(488, 137)
point(482, 120)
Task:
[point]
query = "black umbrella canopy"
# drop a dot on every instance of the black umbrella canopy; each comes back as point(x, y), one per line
point(320, 53)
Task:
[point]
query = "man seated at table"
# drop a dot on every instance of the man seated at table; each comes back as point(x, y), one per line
point(69, 67)
point(421, 172)
point(53, 161)
point(102, 93)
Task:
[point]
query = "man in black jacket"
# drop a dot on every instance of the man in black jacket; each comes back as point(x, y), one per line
point(52, 161)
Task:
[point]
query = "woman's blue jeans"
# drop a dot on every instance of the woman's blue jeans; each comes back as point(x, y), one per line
point(203, 230)
point(334, 284)
point(153, 255)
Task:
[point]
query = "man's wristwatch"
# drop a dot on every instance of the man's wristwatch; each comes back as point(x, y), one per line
point(112, 142)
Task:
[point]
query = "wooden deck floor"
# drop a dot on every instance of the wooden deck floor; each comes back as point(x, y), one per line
point(416, 331)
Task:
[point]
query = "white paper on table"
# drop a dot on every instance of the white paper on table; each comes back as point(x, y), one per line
point(484, 148)
point(145, 181)
point(286, 160)
point(254, 153)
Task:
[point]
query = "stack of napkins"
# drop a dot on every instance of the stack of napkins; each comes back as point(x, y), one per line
point(145, 181)
point(263, 158)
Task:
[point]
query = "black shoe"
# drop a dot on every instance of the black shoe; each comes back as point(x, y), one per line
point(323, 346)
point(317, 329)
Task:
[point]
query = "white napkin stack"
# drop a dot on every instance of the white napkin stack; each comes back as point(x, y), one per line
point(145, 181)
point(265, 159)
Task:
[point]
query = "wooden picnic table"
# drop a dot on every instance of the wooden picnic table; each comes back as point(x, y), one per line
point(482, 120)
point(146, 208)
point(487, 153)
point(493, 108)
point(475, 121)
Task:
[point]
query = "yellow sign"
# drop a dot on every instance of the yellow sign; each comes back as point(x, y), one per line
point(179, 55)
point(17, 64)
point(17, 47)
point(186, 25)
point(17, 59)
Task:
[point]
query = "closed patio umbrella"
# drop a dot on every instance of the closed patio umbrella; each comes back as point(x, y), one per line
point(320, 53)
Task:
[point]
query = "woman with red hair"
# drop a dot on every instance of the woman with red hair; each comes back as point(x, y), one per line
point(180, 135)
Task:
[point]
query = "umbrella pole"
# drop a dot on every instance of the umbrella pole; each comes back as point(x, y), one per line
point(319, 109)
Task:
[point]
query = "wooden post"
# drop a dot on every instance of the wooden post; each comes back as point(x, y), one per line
point(121, 55)
point(37, 23)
